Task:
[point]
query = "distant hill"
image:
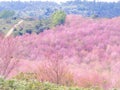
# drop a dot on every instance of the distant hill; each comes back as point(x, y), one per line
point(40, 9)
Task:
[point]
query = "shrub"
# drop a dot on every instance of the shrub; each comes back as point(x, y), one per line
point(58, 18)
point(55, 71)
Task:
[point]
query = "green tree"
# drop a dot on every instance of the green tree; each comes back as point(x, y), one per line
point(6, 14)
point(58, 18)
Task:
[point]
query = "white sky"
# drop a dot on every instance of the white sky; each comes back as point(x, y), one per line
point(58, 1)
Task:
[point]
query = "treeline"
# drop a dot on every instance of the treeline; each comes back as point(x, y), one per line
point(93, 9)
point(40, 9)
point(36, 9)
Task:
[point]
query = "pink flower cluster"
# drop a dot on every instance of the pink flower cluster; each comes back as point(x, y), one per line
point(89, 47)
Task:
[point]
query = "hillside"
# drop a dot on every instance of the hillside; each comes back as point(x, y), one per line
point(83, 52)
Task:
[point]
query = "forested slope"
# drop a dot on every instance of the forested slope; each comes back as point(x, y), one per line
point(83, 52)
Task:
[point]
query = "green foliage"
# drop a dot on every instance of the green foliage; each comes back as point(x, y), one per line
point(43, 24)
point(25, 76)
point(94, 16)
point(29, 26)
point(25, 84)
point(58, 18)
point(6, 14)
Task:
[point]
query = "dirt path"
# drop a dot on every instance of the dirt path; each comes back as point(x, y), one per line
point(12, 29)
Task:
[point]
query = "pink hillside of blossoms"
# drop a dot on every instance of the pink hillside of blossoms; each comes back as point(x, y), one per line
point(83, 51)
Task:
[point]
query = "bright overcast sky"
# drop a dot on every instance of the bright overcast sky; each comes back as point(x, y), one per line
point(58, 1)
